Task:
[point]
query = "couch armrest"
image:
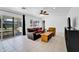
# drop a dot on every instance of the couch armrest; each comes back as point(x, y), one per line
point(30, 35)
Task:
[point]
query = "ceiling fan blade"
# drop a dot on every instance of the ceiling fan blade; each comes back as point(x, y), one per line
point(46, 14)
point(41, 12)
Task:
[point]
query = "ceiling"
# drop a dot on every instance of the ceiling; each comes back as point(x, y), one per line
point(58, 11)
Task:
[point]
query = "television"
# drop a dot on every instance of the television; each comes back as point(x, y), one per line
point(69, 23)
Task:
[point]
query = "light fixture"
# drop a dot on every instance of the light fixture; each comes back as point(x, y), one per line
point(43, 12)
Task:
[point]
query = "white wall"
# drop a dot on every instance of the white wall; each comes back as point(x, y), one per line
point(59, 22)
point(74, 15)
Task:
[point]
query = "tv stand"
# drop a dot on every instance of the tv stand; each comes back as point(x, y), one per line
point(72, 39)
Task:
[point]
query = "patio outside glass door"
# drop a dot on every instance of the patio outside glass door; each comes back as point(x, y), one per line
point(7, 28)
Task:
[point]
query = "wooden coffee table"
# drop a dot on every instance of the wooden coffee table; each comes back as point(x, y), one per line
point(46, 36)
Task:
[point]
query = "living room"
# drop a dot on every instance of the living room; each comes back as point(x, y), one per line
point(44, 28)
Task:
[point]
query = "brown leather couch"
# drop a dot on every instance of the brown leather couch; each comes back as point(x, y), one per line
point(34, 33)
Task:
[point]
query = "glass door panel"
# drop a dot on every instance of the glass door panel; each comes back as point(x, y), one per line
point(7, 27)
point(0, 28)
point(17, 26)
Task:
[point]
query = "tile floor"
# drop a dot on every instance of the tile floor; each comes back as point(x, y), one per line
point(23, 44)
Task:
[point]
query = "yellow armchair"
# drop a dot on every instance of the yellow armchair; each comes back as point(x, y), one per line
point(52, 29)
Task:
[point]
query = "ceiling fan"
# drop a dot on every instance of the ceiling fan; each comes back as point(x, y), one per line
point(23, 8)
point(43, 12)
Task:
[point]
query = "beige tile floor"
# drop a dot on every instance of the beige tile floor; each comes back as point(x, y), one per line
point(23, 44)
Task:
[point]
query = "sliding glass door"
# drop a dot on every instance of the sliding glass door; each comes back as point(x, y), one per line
point(7, 29)
point(17, 26)
point(10, 27)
